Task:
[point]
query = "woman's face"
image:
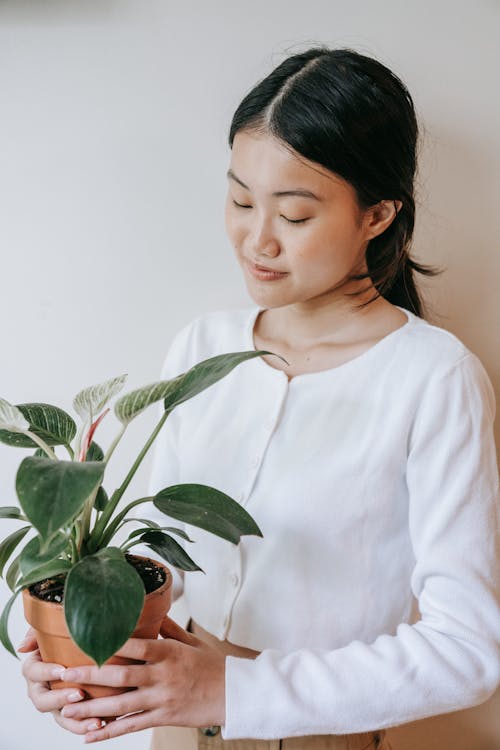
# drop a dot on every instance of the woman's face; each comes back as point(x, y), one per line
point(316, 240)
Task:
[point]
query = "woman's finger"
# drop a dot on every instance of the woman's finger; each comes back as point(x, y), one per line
point(113, 675)
point(170, 629)
point(112, 705)
point(127, 724)
point(29, 643)
point(36, 670)
point(78, 727)
point(46, 700)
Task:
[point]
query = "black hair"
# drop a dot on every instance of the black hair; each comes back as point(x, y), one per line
point(349, 113)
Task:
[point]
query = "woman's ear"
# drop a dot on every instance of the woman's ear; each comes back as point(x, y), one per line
point(381, 216)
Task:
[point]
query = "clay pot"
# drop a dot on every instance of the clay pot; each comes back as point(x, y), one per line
point(56, 645)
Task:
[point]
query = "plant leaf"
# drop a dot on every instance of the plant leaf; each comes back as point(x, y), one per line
point(32, 558)
point(90, 401)
point(13, 573)
point(9, 544)
point(11, 418)
point(207, 508)
point(101, 499)
point(169, 549)
point(146, 521)
point(4, 633)
point(179, 532)
point(52, 493)
point(49, 570)
point(49, 422)
point(11, 511)
point(103, 600)
point(95, 452)
point(182, 387)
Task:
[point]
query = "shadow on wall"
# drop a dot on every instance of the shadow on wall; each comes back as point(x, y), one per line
point(458, 228)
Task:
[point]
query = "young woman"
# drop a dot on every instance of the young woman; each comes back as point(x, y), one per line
point(368, 460)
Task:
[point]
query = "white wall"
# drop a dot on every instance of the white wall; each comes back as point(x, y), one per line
point(113, 128)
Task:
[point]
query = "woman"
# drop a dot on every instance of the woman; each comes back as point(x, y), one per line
point(367, 457)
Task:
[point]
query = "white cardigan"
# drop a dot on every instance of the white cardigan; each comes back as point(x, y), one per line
point(375, 485)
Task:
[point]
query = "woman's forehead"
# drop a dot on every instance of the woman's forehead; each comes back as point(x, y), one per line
point(262, 162)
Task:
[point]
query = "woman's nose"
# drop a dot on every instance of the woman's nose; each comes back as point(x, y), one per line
point(262, 240)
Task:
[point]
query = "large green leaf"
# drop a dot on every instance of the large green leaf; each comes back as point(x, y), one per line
point(32, 557)
point(169, 549)
point(90, 401)
point(208, 508)
point(48, 570)
point(103, 600)
point(9, 544)
point(49, 422)
point(4, 633)
point(52, 493)
point(182, 387)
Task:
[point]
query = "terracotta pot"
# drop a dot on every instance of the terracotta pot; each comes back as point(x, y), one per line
point(56, 645)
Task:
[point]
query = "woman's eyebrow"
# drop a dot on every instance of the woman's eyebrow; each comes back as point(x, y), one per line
point(302, 192)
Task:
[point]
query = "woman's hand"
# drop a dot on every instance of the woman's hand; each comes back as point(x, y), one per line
point(37, 675)
point(181, 683)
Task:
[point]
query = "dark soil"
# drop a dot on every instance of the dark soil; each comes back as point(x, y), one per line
point(52, 589)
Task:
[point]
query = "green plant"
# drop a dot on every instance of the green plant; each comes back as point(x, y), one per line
point(65, 504)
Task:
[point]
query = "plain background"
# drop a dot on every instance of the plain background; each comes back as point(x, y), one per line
point(113, 144)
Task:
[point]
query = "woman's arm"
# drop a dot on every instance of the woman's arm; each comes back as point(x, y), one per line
point(449, 659)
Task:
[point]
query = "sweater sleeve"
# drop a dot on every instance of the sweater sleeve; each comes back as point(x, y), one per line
point(450, 658)
point(165, 464)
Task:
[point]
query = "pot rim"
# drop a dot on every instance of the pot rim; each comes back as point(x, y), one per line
point(168, 582)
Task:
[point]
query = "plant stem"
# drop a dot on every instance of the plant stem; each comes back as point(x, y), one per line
point(78, 535)
point(70, 451)
point(43, 445)
point(118, 493)
point(86, 516)
point(115, 443)
point(115, 524)
point(74, 550)
point(125, 546)
point(78, 438)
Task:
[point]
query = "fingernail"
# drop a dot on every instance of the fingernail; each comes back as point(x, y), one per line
point(73, 697)
point(70, 675)
point(22, 644)
point(94, 725)
point(57, 673)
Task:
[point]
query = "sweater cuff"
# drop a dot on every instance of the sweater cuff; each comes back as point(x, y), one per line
point(242, 708)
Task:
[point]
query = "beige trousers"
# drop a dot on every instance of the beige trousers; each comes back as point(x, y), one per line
point(186, 738)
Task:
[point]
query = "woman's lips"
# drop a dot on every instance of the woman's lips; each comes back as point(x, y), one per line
point(263, 275)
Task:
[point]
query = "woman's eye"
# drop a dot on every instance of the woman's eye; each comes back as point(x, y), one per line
point(290, 221)
point(295, 221)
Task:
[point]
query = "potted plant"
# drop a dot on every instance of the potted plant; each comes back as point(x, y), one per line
point(97, 589)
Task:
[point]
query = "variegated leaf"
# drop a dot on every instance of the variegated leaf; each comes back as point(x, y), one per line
point(90, 401)
point(11, 418)
point(184, 386)
point(50, 423)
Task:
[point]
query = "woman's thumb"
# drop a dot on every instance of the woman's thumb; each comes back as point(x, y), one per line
point(170, 629)
point(30, 642)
